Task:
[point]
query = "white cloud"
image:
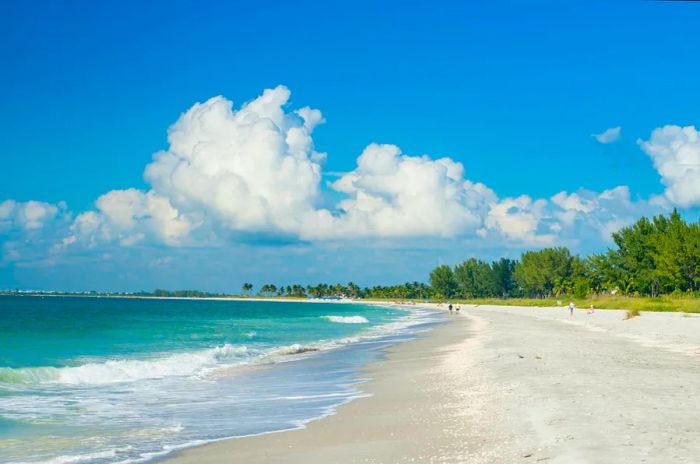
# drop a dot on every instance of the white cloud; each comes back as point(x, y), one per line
point(571, 218)
point(30, 215)
point(609, 135)
point(587, 214)
point(128, 216)
point(394, 195)
point(28, 230)
point(231, 174)
point(520, 219)
point(247, 170)
point(253, 169)
point(675, 152)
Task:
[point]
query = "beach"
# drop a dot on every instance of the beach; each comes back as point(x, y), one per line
point(120, 380)
point(510, 384)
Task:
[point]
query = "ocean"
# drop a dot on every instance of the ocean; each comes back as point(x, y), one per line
point(116, 380)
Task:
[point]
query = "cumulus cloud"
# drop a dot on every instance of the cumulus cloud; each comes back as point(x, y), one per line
point(29, 230)
point(255, 170)
point(30, 215)
point(251, 170)
point(571, 218)
point(609, 135)
point(127, 216)
point(390, 194)
point(521, 219)
point(587, 213)
point(675, 152)
point(231, 173)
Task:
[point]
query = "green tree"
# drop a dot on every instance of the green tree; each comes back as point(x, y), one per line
point(475, 279)
point(247, 288)
point(544, 273)
point(635, 256)
point(504, 281)
point(677, 256)
point(353, 291)
point(443, 282)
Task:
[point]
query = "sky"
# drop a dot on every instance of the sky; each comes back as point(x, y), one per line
point(187, 144)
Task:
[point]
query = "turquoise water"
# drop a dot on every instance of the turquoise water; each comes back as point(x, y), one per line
point(127, 380)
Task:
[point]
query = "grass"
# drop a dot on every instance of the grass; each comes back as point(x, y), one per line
point(629, 303)
point(634, 305)
point(632, 313)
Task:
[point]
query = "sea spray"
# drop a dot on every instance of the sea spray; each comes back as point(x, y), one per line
point(145, 377)
point(347, 319)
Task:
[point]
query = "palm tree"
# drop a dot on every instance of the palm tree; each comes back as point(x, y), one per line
point(247, 288)
point(353, 290)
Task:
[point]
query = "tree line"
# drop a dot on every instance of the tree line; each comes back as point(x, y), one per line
point(409, 290)
point(652, 257)
point(657, 256)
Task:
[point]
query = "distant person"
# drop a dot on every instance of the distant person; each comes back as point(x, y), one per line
point(591, 310)
point(457, 309)
point(450, 307)
point(572, 306)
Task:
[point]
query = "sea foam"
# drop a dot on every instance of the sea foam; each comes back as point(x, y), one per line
point(347, 319)
point(194, 363)
point(125, 370)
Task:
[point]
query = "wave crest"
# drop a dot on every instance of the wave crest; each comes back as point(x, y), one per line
point(195, 363)
point(124, 370)
point(347, 319)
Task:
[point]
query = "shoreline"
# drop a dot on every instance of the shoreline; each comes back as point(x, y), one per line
point(270, 299)
point(509, 384)
point(328, 377)
point(635, 305)
point(218, 451)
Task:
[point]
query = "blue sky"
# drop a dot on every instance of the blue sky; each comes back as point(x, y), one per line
point(512, 91)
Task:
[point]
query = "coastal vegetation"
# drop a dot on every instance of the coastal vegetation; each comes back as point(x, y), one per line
point(651, 258)
point(654, 265)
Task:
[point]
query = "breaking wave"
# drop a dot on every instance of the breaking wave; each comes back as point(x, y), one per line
point(125, 370)
point(195, 363)
point(347, 319)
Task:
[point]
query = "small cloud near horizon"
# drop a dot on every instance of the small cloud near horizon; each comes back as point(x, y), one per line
point(609, 135)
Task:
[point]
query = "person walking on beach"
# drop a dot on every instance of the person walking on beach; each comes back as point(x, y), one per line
point(450, 308)
point(457, 309)
point(572, 306)
point(591, 310)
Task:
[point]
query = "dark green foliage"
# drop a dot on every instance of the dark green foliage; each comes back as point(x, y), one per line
point(504, 280)
point(652, 257)
point(159, 292)
point(545, 273)
point(409, 290)
point(443, 282)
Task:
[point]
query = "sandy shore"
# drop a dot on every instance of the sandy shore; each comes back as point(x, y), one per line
point(508, 384)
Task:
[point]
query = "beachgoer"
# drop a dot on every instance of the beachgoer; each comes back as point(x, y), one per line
point(591, 310)
point(450, 307)
point(457, 309)
point(572, 306)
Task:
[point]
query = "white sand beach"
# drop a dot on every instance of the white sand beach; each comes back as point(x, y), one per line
point(511, 384)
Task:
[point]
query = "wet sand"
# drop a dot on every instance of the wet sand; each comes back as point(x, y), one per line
point(509, 384)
